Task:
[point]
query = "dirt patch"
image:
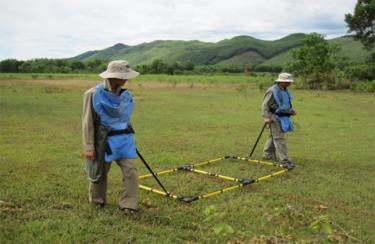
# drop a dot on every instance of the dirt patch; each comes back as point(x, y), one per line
point(54, 82)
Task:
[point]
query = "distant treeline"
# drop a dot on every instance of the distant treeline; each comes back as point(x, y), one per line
point(44, 65)
point(158, 66)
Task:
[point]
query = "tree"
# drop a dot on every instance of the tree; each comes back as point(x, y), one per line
point(10, 65)
point(315, 61)
point(158, 67)
point(95, 65)
point(189, 66)
point(77, 65)
point(362, 22)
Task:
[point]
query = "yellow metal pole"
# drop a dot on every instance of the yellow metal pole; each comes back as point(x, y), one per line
point(220, 191)
point(192, 169)
point(158, 173)
point(216, 175)
point(157, 191)
point(208, 162)
point(260, 162)
point(271, 175)
point(241, 185)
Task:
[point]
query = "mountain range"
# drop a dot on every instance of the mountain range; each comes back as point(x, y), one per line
point(239, 50)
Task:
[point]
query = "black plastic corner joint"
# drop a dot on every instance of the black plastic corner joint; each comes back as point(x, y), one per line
point(230, 156)
point(185, 168)
point(246, 181)
point(188, 199)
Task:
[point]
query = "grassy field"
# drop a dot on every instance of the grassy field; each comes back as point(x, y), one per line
point(329, 196)
point(175, 79)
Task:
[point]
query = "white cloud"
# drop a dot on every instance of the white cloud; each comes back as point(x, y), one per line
point(64, 28)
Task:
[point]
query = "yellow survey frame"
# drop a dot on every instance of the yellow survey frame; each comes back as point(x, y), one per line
point(192, 168)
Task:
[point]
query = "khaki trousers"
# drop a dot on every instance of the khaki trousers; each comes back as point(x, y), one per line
point(278, 143)
point(129, 195)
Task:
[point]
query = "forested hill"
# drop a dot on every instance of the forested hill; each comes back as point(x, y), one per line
point(239, 50)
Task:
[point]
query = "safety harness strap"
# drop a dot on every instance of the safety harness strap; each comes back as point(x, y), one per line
point(128, 130)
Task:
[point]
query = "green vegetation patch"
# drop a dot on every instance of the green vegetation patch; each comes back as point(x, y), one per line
point(329, 196)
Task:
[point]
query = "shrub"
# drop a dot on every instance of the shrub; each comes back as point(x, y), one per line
point(264, 83)
point(365, 86)
point(360, 72)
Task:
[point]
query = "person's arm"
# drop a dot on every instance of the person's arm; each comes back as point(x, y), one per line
point(267, 114)
point(88, 126)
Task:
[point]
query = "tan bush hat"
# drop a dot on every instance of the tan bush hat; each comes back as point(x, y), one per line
point(285, 77)
point(119, 69)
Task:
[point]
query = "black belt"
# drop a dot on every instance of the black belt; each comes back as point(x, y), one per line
point(283, 114)
point(128, 130)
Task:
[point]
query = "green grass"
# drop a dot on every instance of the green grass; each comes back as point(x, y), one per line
point(44, 191)
point(217, 78)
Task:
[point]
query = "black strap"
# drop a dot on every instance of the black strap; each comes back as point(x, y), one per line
point(285, 113)
point(128, 130)
point(108, 149)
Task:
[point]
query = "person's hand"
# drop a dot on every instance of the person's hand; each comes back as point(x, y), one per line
point(90, 154)
point(294, 112)
point(267, 120)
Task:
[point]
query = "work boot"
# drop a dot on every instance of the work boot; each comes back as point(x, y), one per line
point(98, 205)
point(267, 157)
point(129, 211)
point(287, 164)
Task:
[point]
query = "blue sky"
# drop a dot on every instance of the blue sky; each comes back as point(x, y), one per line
point(65, 28)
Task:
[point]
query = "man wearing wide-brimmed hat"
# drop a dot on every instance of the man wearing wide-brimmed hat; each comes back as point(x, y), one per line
point(277, 110)
point(108, 135)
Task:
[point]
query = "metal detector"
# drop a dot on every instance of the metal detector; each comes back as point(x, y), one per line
point(239, 182)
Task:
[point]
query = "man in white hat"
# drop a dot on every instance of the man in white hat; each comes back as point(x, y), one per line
point(277, 110)
point(108, 135)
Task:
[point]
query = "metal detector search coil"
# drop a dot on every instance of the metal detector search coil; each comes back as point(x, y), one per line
point(194, 168)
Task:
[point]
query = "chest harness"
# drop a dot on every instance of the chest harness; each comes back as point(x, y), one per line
point(284, 108)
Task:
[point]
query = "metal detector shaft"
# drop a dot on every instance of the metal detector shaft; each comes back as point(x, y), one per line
point(256, 143)
point(152, 172)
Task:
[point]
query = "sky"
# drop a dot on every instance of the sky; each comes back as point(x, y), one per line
point(65, 28)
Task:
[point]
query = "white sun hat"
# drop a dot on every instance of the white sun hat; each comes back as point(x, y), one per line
point(119, 69)
point(285, 77)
